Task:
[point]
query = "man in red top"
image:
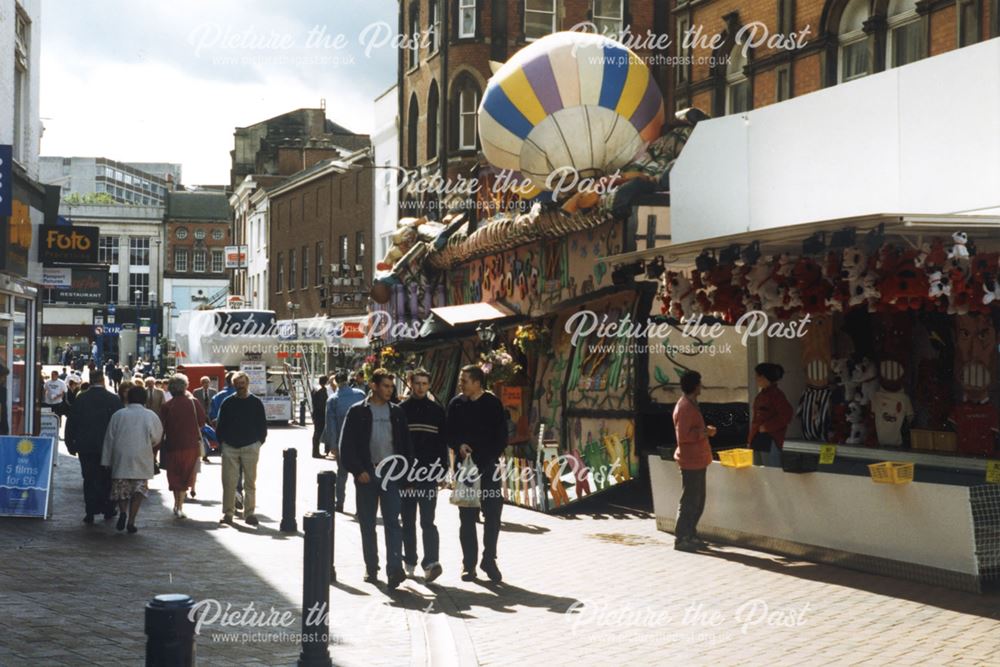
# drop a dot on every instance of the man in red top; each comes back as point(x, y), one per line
point(693, 456)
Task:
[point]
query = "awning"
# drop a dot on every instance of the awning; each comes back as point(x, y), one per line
point(789, 238)
point(471, 312)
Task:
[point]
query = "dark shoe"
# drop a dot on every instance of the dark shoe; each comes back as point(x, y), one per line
point(204, 460)
point(317, 455)
point(108, 516)
point(88, 518)
point(252, 520)
point(340, 508)
point(468, 574)
point(121, 521)
point(133, 529)
point(684, 544)
point(371, 577)
point(432, 573)
point(492, 571)
point(192, 493)
point(395, 579)
point(698, 543)
point(227, 519)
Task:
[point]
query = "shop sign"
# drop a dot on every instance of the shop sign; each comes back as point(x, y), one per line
point(352, 330)
point(236, 256)
point(6, 180)
point(993, 472)
point(827, 453)
point(86, 286)
point(25, 475)
point(57, 277)
point(60, 244)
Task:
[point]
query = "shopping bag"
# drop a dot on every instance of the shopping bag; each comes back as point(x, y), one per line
point(466, 493)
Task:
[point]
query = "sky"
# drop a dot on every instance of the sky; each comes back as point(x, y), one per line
point(170, 81)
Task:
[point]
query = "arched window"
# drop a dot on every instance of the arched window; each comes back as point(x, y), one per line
point(413, 34)
point(464, 108)
point(737, 83)
point(411, 131)
point(854, 57)
point(905, 39)
point(433, 126)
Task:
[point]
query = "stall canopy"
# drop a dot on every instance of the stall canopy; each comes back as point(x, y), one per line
point(455, 319)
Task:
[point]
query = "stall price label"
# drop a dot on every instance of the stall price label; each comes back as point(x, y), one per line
point(827, 453)
point(993, 472)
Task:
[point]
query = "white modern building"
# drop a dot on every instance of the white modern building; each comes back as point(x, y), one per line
point(385, 140)
point(251, 229)
point(145, 183)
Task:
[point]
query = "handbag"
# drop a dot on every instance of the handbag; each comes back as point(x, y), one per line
point(467, 479)
point(761, 442)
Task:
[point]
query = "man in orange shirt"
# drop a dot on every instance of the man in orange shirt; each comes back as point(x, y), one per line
point(693, 456)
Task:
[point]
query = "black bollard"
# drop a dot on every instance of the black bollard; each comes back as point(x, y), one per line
point(316, 591)
point(302, 413)
point(170, 631)
point(288, 523)
point(326, 483)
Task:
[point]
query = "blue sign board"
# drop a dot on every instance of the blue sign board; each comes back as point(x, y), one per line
point(25, 475)
point(6, 181)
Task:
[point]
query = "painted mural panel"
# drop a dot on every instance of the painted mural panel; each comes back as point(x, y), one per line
point(547, 405)
point(602, 367)
point(722, 361)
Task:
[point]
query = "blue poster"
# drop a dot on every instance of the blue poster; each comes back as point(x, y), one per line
point(25, 475)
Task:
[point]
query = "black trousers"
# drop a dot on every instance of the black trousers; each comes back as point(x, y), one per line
point(318, 435)
point(491, 505)
point(96, 486)
point(692, 503)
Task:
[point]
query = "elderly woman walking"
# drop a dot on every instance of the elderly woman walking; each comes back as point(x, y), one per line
point(132, 434)
point(183, 417)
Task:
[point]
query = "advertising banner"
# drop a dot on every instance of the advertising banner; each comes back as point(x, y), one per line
point(25, 475)
point(86, 286)
point(236, 256)
point(62, 244)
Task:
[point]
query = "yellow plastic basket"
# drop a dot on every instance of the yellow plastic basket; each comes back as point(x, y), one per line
point(891, 472)
point(736, 458)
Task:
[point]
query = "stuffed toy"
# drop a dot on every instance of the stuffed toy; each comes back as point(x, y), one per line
point(937, 286)
point(958, 289)
point(682, 296)
point(814, 289)
point(959, 249)
point(756, 277)
point(838, 286)
point(902, 286)
point(975, 355)
point(936, 256)
point(727, 299)
point(864, 377)
point(983, 281)
point(858, 422)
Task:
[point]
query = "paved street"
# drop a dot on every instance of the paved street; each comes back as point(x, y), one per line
point(586, 590)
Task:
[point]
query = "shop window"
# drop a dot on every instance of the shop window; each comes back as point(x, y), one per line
point(608, 16)
point(539, 18)
point(466, 19)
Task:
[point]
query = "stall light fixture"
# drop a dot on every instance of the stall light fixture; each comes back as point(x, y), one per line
point(626, 273)
point(655, 268)
point(705, 262)
point(730, 255)
point(875, 238)
point(751, 253)
point(487, 333)
point(815, 244)
point(845, 238)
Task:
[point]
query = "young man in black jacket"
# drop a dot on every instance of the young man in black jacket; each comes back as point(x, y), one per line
point(374, 431)
point(85, 427)
point(476, 427)
point(426, 422)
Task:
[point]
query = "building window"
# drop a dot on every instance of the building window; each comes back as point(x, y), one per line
point(786, 16)
point(906, 34)
point(968, 22)
point(433, 127)
point(855, 61)
point(279, 280)
point(737, 83)
point(683, 49)
point(784, 83)
point(217, 234)
point(199, 261)
point(181, 233)
point(609, 17)
point(218, 261)
point(414, 34)
point(22, 49)
point(113, 286)
point(433, 25)
point(359, 248)
point(107, 250)
point(180, 260)
point(468, 107)
point(199, 234)
point(138, 289)
point(539, 18)
point(291, 269)
point(305, 266)
point(411, 131)
point(343, 249)
point(466, 18)
point(138, 249)
point(319, 262)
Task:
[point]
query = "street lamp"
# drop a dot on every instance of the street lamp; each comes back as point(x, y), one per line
point(138, 323)
point(487, 334)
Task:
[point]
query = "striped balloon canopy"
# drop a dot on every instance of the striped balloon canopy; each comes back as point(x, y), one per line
point(570, 99)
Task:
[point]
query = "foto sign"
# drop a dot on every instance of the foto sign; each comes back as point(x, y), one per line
point(236, 256)
point(6, 180)
point(25, 475)
point(61, 244)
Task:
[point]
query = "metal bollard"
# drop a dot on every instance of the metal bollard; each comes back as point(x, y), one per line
point(326, 483)
point(288, 523)
point(170, 631)
point(302, 412)
point(316, 591)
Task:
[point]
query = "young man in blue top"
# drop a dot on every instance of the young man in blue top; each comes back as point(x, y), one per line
point(337, 406)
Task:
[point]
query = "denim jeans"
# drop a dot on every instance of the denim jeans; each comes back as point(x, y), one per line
point(425, 499)
point(491, 505)
point(692, 504)
point(369, 497)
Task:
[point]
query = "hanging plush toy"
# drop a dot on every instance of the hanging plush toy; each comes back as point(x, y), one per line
point(983, 281)
point(959, 249)
point(682, 296)
point(902, 286)
point(814, 289)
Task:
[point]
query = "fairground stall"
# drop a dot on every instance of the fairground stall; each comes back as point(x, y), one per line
point(885, 324)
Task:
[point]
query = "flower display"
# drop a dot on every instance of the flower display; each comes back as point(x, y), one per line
point(531, 338)
point(498, 365)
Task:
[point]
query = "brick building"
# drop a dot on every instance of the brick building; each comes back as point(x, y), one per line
point(442, 73)
point(197, 229)
point(835, 41)
point(320, 239)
